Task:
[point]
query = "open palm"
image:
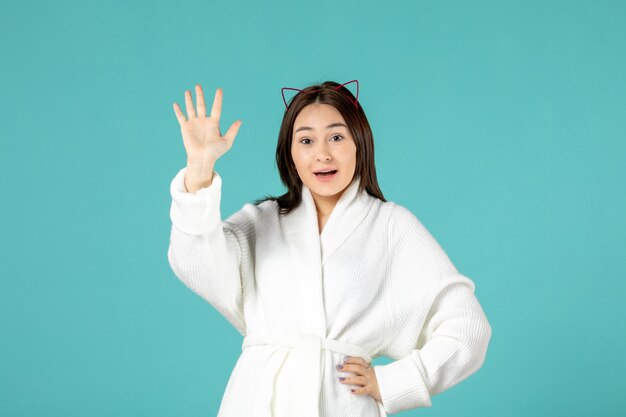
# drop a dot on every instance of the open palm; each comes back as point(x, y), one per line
point(201, 134)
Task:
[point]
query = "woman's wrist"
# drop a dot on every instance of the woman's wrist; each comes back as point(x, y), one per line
point(199, 174)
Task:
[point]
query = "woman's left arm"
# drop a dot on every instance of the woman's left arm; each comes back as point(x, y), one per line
point(440, 331)
point(457, 334)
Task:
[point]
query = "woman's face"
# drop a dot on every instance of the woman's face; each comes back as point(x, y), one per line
point(321, 141)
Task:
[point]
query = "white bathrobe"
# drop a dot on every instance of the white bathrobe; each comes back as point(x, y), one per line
point(374, 282)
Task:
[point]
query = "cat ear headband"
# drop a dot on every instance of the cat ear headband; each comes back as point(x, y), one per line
point(355, 101)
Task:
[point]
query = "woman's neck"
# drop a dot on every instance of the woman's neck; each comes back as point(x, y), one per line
point(325, 205)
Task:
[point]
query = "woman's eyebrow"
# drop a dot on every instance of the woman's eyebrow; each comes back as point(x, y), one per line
point(327, 127)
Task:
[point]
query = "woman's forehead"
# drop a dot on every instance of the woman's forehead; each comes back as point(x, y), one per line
point(317, 116)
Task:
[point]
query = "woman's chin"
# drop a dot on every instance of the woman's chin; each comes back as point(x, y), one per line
point(326, 189)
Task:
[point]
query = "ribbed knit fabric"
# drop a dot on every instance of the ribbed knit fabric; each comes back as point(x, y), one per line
point(374, 278)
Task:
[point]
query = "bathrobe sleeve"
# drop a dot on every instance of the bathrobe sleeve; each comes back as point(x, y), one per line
point(440, 332)
point(211, 257)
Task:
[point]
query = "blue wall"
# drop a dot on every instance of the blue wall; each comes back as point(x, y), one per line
point(499, 124)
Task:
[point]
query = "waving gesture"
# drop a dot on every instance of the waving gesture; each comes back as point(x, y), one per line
point(202, 139)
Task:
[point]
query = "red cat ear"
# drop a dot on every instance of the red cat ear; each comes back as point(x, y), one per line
point(283, 93)
point(357, 90)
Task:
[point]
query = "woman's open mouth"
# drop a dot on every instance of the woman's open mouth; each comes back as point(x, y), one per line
point(326, 176)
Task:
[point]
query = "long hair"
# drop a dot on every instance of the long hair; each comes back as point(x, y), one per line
point(358, 126)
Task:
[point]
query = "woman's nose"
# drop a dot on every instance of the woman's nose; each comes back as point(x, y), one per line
point(323, 154)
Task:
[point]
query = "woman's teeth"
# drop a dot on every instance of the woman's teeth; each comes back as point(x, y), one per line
point(326, 173)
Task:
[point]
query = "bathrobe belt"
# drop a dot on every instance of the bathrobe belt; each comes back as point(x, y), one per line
point(306, 351)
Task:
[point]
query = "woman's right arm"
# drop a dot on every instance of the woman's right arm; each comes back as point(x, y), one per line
point(211, 257)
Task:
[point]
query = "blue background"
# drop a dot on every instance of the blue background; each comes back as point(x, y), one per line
point(499, 124)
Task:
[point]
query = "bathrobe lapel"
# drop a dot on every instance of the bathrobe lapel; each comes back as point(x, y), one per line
point(349, 212)
point(310, 250)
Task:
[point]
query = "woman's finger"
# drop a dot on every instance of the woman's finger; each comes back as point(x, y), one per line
point(355, 380)
point(191, 112)
point(359, 390)
point(356, 360)
point(216, 109)
point(200, 101)
point(232, 132)
point(355, 368)
point(179, 114)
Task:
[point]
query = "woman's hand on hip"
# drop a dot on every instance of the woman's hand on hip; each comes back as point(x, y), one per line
point(365, 377)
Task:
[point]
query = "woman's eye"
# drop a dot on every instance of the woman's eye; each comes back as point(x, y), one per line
point(309, 140)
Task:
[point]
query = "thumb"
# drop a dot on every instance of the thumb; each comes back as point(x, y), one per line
point(232, 132)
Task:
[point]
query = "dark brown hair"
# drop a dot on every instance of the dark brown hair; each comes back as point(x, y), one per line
point(359, 127)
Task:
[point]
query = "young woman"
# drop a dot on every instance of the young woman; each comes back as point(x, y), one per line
point(324, 278)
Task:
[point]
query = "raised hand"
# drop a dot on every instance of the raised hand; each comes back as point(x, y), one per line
point(202, 138)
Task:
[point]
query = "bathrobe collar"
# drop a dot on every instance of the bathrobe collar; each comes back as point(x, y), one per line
point(348, 213)
point(309, 251)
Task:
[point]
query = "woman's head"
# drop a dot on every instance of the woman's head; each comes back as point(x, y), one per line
point(321, 142)
point(306, 145)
